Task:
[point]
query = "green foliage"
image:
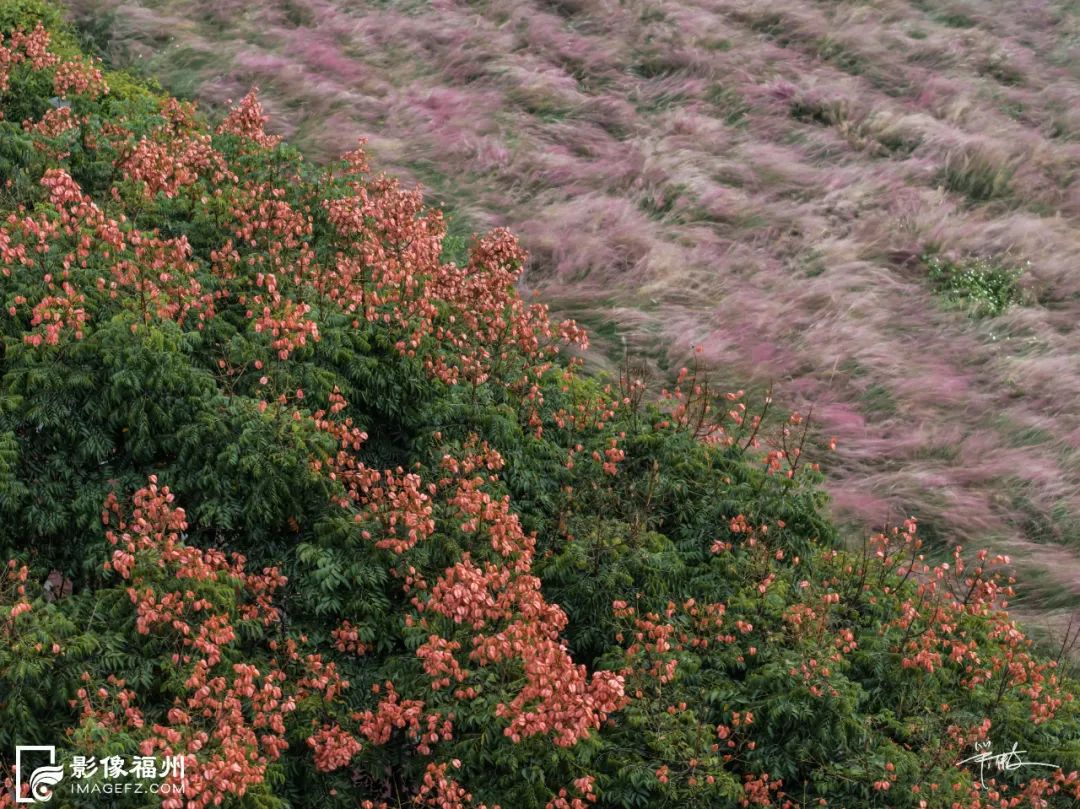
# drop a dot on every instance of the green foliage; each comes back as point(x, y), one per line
point(985, 286)
point(25, 14)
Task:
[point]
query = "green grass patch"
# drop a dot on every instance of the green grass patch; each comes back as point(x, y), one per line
point(541, 103)
point(1001, 69)
point(984, 286)
point(977, 175)
point(955, 19)
point(841, 56)
point(732, 105)
point(877, 400)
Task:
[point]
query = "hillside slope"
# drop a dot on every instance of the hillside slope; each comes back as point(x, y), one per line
point(762, 180)
point(333, 521)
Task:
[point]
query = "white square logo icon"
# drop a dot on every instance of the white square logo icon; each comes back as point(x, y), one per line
point(42, 779)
